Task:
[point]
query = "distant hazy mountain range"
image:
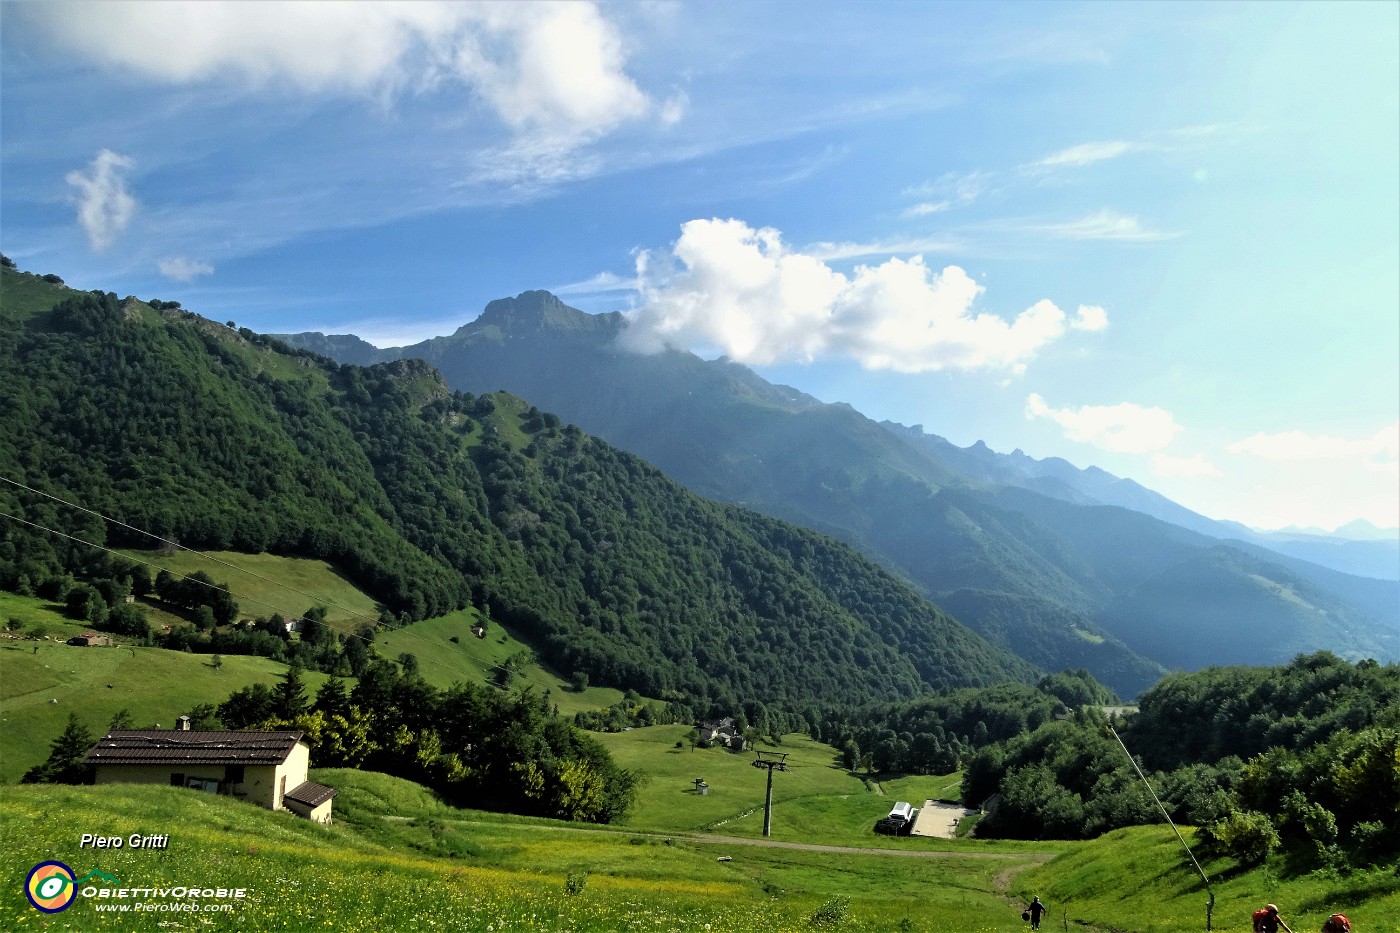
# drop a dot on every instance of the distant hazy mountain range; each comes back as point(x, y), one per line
point(1066, 567)
point(1359, 548)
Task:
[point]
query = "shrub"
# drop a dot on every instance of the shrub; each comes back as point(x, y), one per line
point(575, 883)
point(1246, 836)
point(832, 914)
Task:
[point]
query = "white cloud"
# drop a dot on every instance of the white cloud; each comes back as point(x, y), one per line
point(1185, 467)
point(105, 206)
point(924, 208)
point(553, 69)
point(1085, 154)
point(1125, 427)
point(1105, 225)
point(601, 284)
point(952, 186)
point(830, 252)
point(563, 74)
point(741, 291)
point(1090, 318)
point(182, 269)
point(1380, 452)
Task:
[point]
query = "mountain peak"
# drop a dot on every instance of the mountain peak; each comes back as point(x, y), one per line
point(537, 312)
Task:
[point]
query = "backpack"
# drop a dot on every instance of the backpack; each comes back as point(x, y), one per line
point(1260, 916)
point(1337, 923)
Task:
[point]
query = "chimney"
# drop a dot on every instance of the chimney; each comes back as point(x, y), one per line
point(182, 724)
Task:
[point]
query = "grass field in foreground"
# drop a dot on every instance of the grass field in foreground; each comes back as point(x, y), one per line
point(399, 860)
point(1139, 880)
point(509, 876)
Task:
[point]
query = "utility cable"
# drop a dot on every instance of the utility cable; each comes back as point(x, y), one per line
point(298, 617)
point(314, 601)
point(1210, 905)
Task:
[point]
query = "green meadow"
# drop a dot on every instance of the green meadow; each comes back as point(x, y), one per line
point(264, 584)
point(38, 691)
point(267, 584)
point(398, 858)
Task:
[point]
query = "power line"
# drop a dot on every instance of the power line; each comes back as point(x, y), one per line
point(1210, 904)
point(187, 577)
point(297, 616)
point(314, 601)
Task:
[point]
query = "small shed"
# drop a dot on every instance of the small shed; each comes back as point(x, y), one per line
point(311, 800)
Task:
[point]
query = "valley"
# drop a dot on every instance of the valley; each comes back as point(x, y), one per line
point(503, 620)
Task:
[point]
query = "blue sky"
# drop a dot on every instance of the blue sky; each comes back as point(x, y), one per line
point(1163, 239)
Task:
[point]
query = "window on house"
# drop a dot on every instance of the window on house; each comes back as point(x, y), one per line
point(234, 774)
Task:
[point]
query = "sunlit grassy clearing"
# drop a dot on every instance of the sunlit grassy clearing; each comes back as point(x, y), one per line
point(267, 584)
point(154, 685)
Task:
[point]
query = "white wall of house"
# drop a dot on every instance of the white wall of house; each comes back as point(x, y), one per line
point(263, 785)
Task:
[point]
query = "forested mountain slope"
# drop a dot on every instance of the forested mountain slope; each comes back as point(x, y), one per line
point(723, 431)
point(431, 499)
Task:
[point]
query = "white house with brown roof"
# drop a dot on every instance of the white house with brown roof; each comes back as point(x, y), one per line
point(265, 768)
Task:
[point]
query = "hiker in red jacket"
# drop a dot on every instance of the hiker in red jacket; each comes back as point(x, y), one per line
point(1337, 923)
point(1267, 920)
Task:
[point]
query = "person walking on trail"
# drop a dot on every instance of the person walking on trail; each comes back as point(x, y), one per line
point(1267, 920)
point(1038, 910)
point(1337, 923)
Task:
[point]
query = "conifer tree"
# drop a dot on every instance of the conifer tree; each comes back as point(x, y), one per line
point(65, 764)
point(290, 694)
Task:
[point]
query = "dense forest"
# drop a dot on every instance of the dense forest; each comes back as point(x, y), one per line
point(431, 500)
point(1052, 573)
point(1304, 757)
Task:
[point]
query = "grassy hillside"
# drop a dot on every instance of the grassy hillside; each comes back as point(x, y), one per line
point(1138, 879)
point(817, 800)
point(154, 685)
point(399, 859)
point(264, 584)
point(503, 876)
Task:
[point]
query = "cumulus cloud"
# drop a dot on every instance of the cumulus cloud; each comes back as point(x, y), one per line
point(1125, 427)
point(1379, 452)
point(1090, 317)
point(1186, 467)
point(105, 206)
point(182, 269)
point(729, 287)
point(552, 68)
point(563, 73)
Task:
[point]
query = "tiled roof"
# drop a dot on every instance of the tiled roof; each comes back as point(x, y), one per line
point(311, 794)
point(159, 746)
